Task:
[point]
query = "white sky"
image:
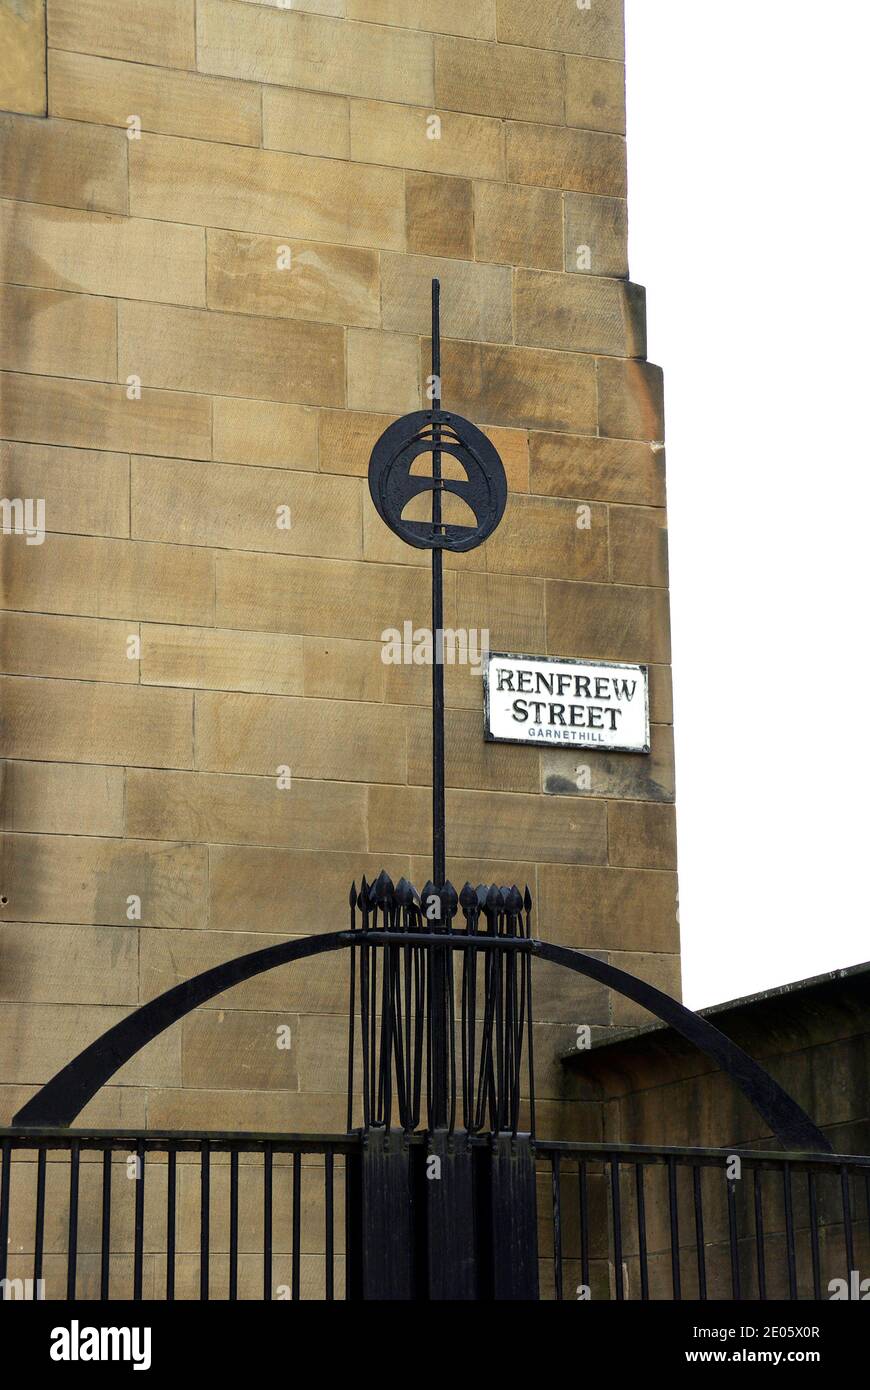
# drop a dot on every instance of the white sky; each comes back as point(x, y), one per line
point(749, 189)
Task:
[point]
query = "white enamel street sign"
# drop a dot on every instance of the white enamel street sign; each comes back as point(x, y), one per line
point(585, 704)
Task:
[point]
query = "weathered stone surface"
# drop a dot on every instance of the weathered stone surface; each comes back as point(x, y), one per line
point(262, 890)
point(595, 94)
point(475, 299)
point(608, 909)
point(231, 354)
point(490, 825)
point(247, 1045)
point(550, 538)
point(111, 579)
point(52, 333)
point(439, 215)
point(91, 415)
point(327, 284)
point(607, 470)
point(579, 161)
point(638, 776)
point(22, 43)
point(45, 964)
point(245, 810)
point(347, 438)
point(62, 798)
point(475, 19)
point(407, 138)
point(319, 597)
point(596, 235)
point(597, 29)
point(267, 191)
point(64, 163)
point(293, 49)
point(115, 724)
point(65, 249)
point(511, 609)
point(517, 225)
point(216, 659)
point(383, 371)
point(75, 879)
point(610, 622)
point(639, 545)
point(85, 492)
point(520, 84)
point(630, 402)
point(332, 740)
point(89, 649)
point(642, 836)
point(36, 1040)
point(86, 88)
point(580, 313)
point(659, 970)
point(245, 508)
point(306, 122)
point(162, 33)
point(343, 669)
point(470, 762)
point(520, 386)
point(270, 433)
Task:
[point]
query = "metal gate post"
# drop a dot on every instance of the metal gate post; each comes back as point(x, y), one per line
point(451, 1225)
point(513, 1208)
point(389, 1209)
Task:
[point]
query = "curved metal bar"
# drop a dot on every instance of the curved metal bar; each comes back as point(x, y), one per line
point(792, 1126)
point(62, 1098)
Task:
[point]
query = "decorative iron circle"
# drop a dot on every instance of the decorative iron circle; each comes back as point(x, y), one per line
point(392, 485)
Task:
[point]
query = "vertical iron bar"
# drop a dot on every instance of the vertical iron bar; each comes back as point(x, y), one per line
point(234, 1226)
point(39, 1234)
point(555, 1164)
point(171, 1174)
point(617, 1227)
point(267, 1223)
point(789, 1230)
point(5, 1182)
point(584, 1224)
point(204, 1204)
point(438, 832)
point(847, 1224)
point(700, 1249)
point(139, 1229)
point(438, 964)
point(297, 1223)
point(641, 1232)
point(72, 1245)
point(731, 1189)
point(759, 1238)
point(105, 1236)
point(328, 1171)
point(675, 1228)
point(814, 1236)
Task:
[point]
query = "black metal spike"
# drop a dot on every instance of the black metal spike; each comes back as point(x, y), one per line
point(352, 899)
point(527, 900)
point(427, 892)
point(404, 893)
point(514, 899)
point(493, 899)
point(384, 891)
point(468, 898)
point(449, 898)
point(482, 894)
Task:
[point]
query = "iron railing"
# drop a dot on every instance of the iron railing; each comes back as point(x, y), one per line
point(633, 1222)
point(94, 1215)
